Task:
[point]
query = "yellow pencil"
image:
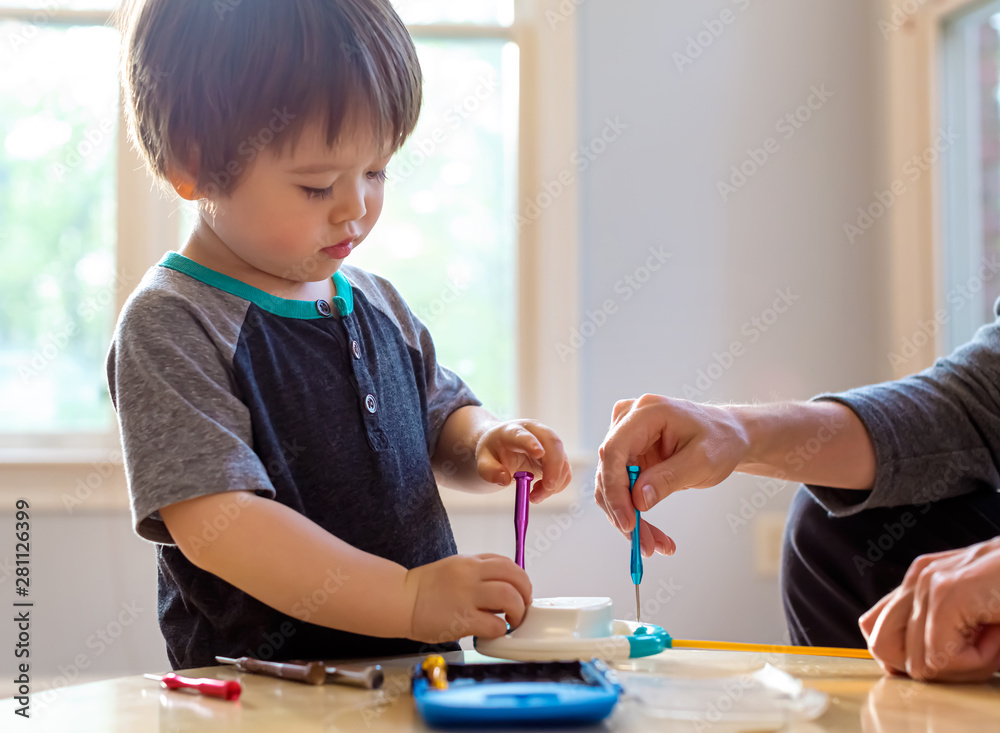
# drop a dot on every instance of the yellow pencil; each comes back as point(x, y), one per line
point(733, 646)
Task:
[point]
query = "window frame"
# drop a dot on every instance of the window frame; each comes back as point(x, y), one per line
point(921, 264)
point(85, 470)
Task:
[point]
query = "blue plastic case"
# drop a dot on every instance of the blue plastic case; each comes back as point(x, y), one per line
point(525, 692)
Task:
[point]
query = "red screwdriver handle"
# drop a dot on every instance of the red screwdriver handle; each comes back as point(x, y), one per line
point(226, 689)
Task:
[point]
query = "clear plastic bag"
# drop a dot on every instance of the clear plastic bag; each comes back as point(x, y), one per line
point(765, 699)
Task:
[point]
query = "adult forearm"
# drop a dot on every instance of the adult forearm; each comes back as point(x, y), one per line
point(287, 561)
point(821, 443)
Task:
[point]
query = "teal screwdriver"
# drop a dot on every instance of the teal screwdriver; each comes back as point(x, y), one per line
point(635, 566)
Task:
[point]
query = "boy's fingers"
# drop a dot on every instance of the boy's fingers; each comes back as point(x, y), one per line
point(547, 487)
point(491, 470)
point(499, 597)
point(497, 567)
point(525, 441)
point(487, 625)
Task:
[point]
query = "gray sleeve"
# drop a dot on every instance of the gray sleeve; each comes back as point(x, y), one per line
point(445, 390)
point(185, 432)
point(936, 434)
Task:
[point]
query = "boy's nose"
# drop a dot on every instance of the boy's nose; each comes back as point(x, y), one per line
point(349, 206)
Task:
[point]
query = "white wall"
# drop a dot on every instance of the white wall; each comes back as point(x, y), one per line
point(655, 186)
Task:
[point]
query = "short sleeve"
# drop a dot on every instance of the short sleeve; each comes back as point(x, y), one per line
point(936, 434)
point(185, 431)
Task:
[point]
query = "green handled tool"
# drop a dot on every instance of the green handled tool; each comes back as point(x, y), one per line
point(635, 566)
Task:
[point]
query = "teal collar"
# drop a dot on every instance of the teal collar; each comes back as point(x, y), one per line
point(307, 309)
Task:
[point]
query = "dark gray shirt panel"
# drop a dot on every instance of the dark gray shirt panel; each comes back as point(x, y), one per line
point(445, 390)
point(936, 434)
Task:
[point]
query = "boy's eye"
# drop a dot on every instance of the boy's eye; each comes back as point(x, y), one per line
point(318, 193)
point(325, 193)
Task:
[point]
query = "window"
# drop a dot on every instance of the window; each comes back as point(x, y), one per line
point(80, 221)
point(970, 281)
point(58, 210)
point(942, 142)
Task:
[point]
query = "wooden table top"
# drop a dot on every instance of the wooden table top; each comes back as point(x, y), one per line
point(861, 699)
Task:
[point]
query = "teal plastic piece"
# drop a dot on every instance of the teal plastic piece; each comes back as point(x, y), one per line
point(648, 640)
point(635, 567)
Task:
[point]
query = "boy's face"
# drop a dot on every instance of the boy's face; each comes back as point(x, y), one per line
point(298, 216)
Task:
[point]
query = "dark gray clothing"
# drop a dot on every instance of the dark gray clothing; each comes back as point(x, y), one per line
point(332, 409)
point(936, 434)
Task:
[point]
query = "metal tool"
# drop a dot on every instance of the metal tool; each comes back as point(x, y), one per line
point(369, 677)
point(635, 566)
point(226, 689)
point(312, 673)
point(523, 479)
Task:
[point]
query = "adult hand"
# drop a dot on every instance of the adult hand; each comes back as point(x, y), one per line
point(677, 444)
point(943, 622)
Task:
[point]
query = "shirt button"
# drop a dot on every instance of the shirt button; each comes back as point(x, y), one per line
point(370, 403)
point(356, 349)
point(324, 308)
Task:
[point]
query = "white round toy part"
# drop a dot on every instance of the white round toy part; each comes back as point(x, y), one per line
point(556, 629)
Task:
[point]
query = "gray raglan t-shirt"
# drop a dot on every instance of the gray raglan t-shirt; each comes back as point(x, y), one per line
point(936, 434)
point(332, 409)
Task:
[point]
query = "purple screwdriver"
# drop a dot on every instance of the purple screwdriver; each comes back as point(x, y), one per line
point(523, 479)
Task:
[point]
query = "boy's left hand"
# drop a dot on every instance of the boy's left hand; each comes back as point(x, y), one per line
point(524, 445)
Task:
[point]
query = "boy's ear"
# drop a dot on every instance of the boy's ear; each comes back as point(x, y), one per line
point(183, 180)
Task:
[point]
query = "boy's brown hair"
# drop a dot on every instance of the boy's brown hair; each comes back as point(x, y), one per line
point(207, 84)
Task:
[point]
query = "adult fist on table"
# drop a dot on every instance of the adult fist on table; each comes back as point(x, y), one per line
point(943, 622)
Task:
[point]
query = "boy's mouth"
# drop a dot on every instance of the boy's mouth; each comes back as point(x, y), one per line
point(339, 251)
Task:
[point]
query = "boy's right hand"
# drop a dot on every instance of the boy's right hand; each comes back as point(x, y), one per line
point(460, 595)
